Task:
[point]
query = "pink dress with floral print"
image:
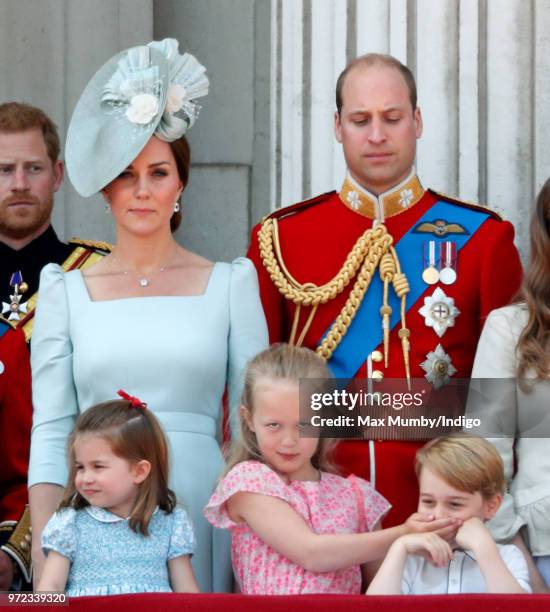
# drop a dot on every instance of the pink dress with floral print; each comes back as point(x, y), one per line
point(331, 505)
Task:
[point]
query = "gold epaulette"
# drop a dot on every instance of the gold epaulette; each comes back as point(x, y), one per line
point(19, 544)
point(92, 244)
point(279, 213)
point(467, 204)
point(85, 254)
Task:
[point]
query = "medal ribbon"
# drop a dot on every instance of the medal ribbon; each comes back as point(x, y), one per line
point(365, 332)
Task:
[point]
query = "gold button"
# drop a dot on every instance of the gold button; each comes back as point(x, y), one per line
point(377, 376)
point(28, 537)
point(376, 356)
point(24, 545)
point(441, 368)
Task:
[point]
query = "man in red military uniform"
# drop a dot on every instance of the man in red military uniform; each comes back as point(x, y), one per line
point(331, 280)
point(30, 174)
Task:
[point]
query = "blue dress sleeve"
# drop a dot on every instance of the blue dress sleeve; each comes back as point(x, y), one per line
point(54, 395)
point(182, 539)
point(248, 330)
point(59, 534)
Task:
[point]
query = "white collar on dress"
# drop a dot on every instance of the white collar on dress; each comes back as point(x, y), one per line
point(104, 516)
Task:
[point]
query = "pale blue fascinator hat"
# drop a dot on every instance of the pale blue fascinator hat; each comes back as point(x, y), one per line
point(139, 92)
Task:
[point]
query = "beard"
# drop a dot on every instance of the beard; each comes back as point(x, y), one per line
point(18, 223)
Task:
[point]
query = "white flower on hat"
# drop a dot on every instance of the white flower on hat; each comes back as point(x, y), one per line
point(142, 109)
point(175, 98)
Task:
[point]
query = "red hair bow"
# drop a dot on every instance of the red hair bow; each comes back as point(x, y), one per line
point(135, 402)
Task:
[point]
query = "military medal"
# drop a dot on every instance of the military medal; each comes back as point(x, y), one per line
point(438, 367)
point(439, 311)
point(448, 273)
point(430, 275)
point(16, 307)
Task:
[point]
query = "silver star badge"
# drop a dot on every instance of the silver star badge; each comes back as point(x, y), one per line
point(405, 197)
point(353, 199)
point(438, 367)
point(15, 307)
point(439, 311)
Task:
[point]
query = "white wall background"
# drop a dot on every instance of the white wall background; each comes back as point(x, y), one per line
point(49, 49)
point(483, 76)
point(265, 135)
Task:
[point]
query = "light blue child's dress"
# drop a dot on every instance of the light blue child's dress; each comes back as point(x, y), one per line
point(174, 352)
point(109, 558)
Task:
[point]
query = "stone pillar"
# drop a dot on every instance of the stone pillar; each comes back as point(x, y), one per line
point(482, 73)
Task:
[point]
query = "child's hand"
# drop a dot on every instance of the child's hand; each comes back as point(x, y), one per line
point(428, 545)
point(473, 534)
point(419, 522)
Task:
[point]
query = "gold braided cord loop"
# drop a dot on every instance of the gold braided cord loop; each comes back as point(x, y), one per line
point(401, 287)
point(373, 249)
point(387, 270)
point(343, 320)
point(387, 266)
point(309, 294)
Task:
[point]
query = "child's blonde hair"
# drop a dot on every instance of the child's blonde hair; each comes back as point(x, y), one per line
point(285, 363)
point(466, 463)
point(134, 434)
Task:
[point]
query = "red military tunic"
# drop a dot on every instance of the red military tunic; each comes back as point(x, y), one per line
point(315, 238)
point(15, 421)
point(15, 382)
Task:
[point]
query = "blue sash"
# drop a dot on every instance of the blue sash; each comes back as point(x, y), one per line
point(4, 327)
point(365, 332)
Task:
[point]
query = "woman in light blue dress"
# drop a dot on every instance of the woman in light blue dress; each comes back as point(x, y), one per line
point(151, 317)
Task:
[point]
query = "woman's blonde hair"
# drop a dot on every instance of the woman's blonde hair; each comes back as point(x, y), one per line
point(134, 434)
point(466, 463)
point(284, 363)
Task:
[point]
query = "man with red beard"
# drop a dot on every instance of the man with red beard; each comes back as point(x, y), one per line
point(30, 174)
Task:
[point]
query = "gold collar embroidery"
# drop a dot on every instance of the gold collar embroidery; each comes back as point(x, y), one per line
point(388, 204)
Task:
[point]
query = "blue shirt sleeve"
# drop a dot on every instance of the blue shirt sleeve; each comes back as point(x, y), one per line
point(60, 534)
point(248, 330)
point(182, 538)
point(55, 403)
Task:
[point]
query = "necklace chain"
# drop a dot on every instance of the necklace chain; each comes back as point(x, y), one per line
point(145, 281)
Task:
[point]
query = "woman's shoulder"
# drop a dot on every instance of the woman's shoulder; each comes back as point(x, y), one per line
point(512, 316)
point(239, 267)
point(51, 273)
point(54, 278)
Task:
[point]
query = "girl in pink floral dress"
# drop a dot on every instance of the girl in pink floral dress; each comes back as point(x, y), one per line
point(295, 527)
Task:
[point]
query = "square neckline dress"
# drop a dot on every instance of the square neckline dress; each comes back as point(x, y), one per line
point(173, 352)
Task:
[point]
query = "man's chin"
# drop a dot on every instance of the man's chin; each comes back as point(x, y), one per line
point(21, 227)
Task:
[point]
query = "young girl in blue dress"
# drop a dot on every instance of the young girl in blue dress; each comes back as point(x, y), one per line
point(118, 528)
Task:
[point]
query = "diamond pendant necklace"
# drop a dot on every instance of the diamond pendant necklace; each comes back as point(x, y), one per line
point(143, 280)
